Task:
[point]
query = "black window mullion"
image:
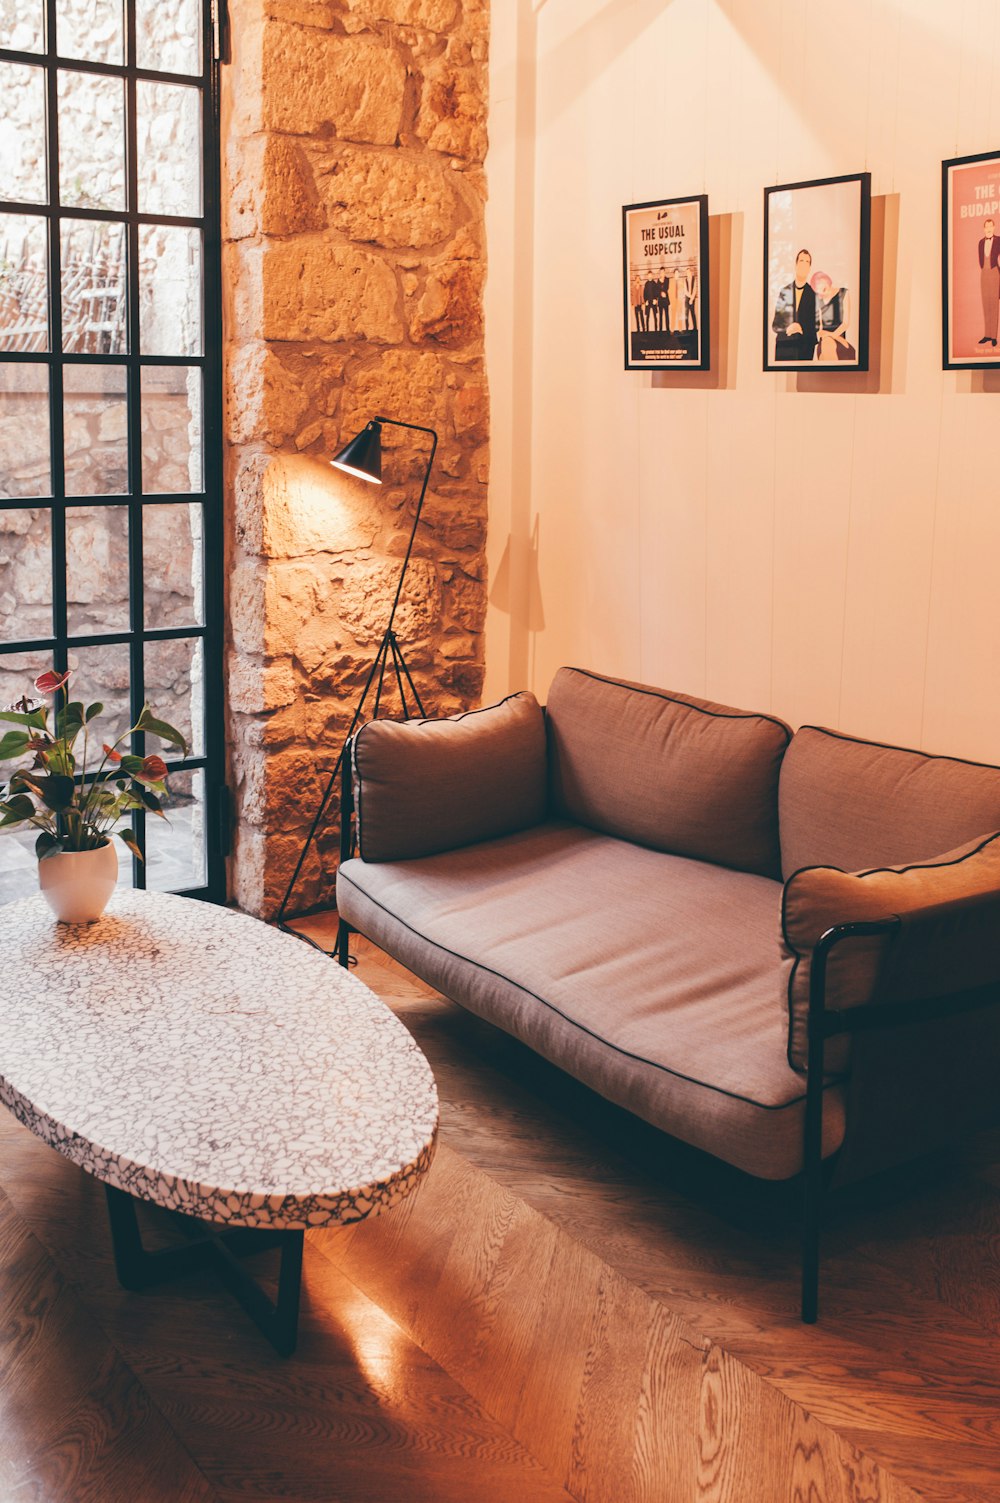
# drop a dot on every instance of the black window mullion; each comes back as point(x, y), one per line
point(56, 448)
point(137, 669)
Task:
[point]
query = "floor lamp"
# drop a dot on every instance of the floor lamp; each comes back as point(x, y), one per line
point(362, 457)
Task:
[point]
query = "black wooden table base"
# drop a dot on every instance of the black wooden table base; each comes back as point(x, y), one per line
point(137, 1268)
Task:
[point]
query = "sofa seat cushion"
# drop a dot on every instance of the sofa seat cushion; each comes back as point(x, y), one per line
point(654, 979)
point(856, 804)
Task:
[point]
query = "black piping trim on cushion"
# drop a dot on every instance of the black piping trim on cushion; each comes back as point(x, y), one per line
point(912, 751)
point(425, 720)
point(685, 704)
point(615, 1048)
point(875, 871)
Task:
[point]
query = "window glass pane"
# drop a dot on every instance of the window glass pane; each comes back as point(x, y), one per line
point(102, 673)
point(94, 30)
point(171, 430)
point(172, 565)
point(24, 431)
point(96, 428)
point(168, 37)
point(94, 287)
point(25, 576)
point(96, 569)
point(174, 687)
point(22, 25)
point(91, 140)
point(22, 133)
point(169, 290)
point(168, 124)
point(18, 865)
point(24, 283)
point(175, 847)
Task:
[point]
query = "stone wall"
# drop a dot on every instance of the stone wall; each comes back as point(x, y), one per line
point(354, 265)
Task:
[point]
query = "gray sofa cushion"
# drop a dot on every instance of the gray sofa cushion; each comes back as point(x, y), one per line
point(856, 804)
point(670, 772)
point(673, 1008)
point(817, 898)
point(423, 786)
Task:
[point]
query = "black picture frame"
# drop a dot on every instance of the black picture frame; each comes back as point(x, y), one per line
point(839, 248)
point(669, 238)
point(965, 184)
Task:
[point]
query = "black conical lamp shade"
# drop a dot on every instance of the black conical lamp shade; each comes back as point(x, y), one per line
point(362, 456)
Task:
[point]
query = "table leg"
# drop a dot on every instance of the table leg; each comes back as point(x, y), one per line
point(138, 1268)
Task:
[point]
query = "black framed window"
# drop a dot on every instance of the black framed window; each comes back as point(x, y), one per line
point(110, 393)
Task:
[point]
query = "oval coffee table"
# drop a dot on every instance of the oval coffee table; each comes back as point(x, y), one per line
point(194, 1057)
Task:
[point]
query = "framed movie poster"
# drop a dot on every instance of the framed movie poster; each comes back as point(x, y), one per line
point(665, 246)
point(970, 261)
point(817, 248)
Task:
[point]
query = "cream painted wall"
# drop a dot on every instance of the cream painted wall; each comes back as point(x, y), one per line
point(826, 548)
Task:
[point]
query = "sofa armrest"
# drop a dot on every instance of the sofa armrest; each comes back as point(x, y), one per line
point(902, 934)
point(931, 961)
point(426, 786)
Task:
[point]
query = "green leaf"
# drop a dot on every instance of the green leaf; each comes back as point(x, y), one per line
point(130, 841)
point(147, 722)
point(131, 765)
point(92, 710)
point(15, 809)
point(56, 791)
point(13, 744)
point(33, 718)
point(149, 800)
point(25, 781)
point(46, 845)
point(70, 720)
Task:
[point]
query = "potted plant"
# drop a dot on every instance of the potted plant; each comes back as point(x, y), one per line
point(76, 810)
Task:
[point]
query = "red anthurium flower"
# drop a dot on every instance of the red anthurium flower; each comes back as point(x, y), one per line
point(154, 770)
point(111, 754)
point(49, 682)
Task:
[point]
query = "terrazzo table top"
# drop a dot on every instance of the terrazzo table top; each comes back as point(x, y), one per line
point(198, 1058)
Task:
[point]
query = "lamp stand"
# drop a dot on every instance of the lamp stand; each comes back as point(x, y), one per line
point(389, 662)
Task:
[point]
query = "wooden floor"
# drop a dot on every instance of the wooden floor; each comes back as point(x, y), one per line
point(567, 1309)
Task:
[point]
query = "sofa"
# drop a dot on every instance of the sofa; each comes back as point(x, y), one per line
point(782, 949)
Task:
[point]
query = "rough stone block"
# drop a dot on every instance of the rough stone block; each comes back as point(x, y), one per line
point(261, 401)
point(397, 199)
point(367, 595)
point(317, 82)
point(450, 308)
point(291, 505)
point(317, 290)
point(452, 113)
point(432, 15)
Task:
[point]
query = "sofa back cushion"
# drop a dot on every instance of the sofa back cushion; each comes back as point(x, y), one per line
point(857, 804)
point(819, 897)
point(425, 786)
point(665, 770)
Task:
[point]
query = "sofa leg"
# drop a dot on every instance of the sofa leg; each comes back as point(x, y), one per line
point(812, 1201)
point(344, 932)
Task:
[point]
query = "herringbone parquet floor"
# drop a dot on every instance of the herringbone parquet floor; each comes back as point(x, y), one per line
point(568, 1309)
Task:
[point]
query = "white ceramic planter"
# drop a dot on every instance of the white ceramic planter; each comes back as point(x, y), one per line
point(78, 884)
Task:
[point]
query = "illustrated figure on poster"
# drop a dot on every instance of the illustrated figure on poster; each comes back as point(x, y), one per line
point(833, 312)
point(637, 299)
point(989, 281)
point(691, 297)
point(650, 295)
point(795, 318)
point(663, 297)
point(674, 300)
point(684, 284)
